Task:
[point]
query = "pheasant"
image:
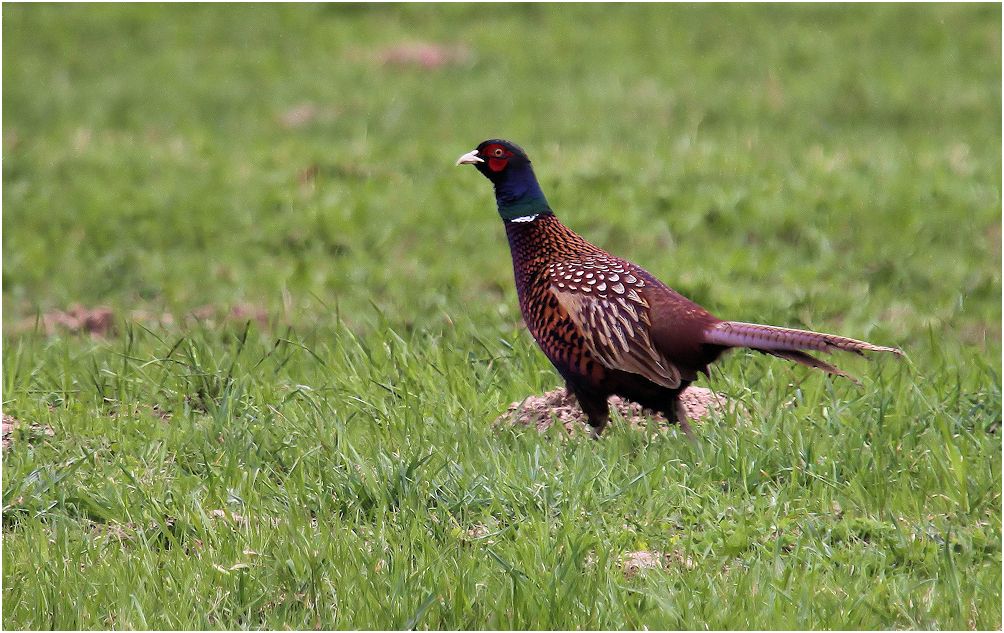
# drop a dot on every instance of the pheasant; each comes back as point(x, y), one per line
point(607, 325)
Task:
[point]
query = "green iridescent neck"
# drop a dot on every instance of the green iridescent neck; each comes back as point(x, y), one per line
point(524, 207)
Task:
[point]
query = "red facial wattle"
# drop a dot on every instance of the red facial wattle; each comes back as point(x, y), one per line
point(498, 157)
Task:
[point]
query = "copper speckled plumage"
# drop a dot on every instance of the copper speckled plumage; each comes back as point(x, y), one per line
point(608, 326)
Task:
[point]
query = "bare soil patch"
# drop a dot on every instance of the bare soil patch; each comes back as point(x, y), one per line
point(101, 321)
point(306, 113)
point(634, 562)
point(97, 321)
point(425, 55)
point(11, 423)
point(8, 431)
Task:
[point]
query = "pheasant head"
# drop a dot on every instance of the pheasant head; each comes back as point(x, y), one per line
point(517, 193)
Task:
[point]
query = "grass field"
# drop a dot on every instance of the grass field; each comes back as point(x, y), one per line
point(290, 424)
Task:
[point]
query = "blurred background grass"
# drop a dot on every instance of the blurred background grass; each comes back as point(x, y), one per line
point(833, 167)
point(763, 159)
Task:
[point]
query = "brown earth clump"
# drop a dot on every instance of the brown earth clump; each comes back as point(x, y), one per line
point(8, 431)
point(10, 423)
point(97, 321)
point(558, 405)
point(634, 562)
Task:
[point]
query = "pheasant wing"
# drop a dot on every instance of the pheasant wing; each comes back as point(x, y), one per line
point(605, 302)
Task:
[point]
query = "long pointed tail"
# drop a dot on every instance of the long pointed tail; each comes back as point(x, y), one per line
point(789, 343)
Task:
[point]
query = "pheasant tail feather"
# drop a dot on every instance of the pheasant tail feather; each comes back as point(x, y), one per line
point(812, 361)
point(772, 340)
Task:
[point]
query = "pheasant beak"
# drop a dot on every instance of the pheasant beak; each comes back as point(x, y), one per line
point(470, 158)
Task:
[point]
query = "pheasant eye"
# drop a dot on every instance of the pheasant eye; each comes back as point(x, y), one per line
point(498, 152)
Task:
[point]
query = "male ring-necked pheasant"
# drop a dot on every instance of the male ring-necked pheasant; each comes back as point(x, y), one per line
point(607, 325)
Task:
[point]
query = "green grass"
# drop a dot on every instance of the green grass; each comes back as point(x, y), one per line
point(828, 167)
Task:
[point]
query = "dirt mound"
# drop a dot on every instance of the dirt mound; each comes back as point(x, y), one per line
point(557, 405)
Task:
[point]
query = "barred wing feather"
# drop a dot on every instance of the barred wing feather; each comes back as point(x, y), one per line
point(614, 321)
